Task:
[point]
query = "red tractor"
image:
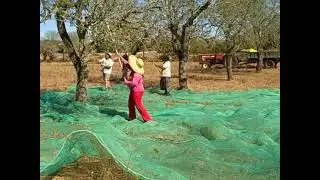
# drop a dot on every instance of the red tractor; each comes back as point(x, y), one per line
point(207, 60)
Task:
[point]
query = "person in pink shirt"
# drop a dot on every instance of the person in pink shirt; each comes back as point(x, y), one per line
point(135, 83)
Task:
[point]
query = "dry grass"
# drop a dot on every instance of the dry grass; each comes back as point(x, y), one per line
point(59, 76)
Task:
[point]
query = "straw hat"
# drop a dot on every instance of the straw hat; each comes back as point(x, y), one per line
point(136, 64)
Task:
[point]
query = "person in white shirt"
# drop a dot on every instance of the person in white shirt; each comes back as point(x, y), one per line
point(106, 64)
point(166, 75)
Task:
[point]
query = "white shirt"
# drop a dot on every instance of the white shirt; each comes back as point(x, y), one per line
point(167, 69)
point(107, 63)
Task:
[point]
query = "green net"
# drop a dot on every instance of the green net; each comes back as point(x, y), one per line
point(205, 135)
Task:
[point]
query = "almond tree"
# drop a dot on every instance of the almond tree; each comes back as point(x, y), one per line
point(83, 14)
point(230, 17)
point(179, 18)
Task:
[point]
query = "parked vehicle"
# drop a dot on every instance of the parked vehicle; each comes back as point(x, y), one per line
point(271, 58)
point(208, 60)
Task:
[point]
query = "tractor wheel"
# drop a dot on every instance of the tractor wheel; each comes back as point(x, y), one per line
point(269, 64)
point(205, 65)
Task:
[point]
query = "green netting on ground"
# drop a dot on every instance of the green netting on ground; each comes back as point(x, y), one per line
point(208, 135)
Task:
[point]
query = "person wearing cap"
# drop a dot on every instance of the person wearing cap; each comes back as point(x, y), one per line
point(106, 64)
point(135, 83)
point(166, 74)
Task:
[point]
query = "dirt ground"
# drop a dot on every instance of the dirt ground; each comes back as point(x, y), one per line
point(59, 76)
point(88, 168)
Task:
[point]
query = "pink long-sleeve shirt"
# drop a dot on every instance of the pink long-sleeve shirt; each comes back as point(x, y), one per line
point(136, 84)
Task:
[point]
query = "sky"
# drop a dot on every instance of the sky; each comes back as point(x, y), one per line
point(51, 25)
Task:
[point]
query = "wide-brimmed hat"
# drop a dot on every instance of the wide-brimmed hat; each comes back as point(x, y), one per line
point(136, 64)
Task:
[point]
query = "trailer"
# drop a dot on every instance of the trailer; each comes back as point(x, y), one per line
point(271, 58)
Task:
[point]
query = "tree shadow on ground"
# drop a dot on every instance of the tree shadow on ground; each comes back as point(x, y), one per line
point(156, 91)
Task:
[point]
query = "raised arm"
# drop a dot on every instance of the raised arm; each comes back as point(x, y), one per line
point(159, 66)
point(123, 60)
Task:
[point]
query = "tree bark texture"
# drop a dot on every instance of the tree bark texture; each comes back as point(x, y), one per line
point(229, 67)
point(183, 83)
point(79, 64)
point(259, 62)
point(82, 81)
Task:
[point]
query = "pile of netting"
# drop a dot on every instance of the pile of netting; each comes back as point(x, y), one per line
point(199, 135)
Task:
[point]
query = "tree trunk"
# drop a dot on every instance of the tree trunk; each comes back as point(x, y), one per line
point(82, 81)
point(183, 59)
point(63, 55)
point(182, 54)
point(235, 61)
point(182, 73)
point(259, 62)
point(79, 64)
point(229, 67)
